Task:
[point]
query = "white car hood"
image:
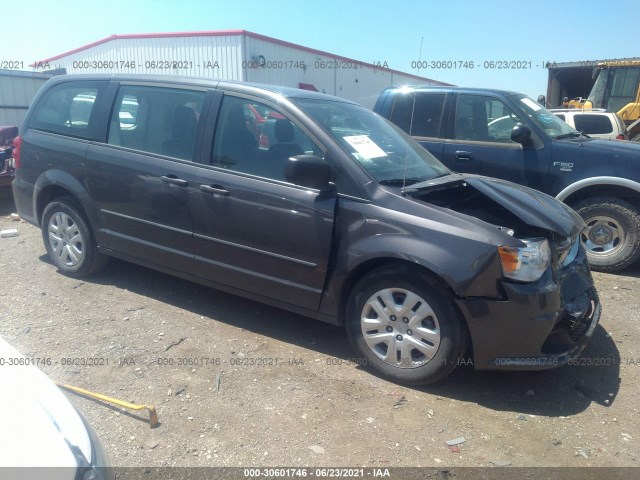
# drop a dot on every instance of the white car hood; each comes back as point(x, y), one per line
point(36, 419)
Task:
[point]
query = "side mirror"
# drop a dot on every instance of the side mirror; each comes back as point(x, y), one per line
point(309, 171)
point(542, 100)
point(521, 134)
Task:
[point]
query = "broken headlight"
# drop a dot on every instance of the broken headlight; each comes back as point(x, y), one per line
point(528, 263)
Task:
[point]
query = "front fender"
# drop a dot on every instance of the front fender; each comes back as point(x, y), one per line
point(470, 269)
point(468, 263)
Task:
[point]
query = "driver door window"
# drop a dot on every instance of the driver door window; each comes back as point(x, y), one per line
point(483, 119)
point(250, 143)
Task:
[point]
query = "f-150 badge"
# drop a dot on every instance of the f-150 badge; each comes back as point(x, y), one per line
point(564, 166)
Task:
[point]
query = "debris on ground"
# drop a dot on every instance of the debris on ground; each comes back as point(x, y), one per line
point(9, 232)
point(401, 401)
point(500, 463)
point(456, 441)
point(317, 449)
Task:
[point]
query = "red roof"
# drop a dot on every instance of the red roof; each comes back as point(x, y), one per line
point(221, 33)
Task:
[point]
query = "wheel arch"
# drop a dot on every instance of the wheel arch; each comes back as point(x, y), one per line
point(54, 184)
point(369, 265)
point(601, 186)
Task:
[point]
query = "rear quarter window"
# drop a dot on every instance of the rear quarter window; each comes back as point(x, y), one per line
point(589, 123)
point(68, 109)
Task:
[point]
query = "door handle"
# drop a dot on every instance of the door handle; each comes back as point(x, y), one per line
point(215, 190)
point(172, 179)
point(464, 156)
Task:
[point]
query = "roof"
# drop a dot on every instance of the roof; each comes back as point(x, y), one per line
point(287, 92)
point(451, 88)
point(222, 33)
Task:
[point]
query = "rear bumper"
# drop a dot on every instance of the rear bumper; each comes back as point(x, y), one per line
point(539, 326)
point(23, 197)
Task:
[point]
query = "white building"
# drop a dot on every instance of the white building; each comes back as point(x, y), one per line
point(234, 55)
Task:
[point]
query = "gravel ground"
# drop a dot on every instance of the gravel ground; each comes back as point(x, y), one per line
point(237, 383)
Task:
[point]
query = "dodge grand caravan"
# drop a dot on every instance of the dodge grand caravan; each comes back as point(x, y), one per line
point(343, 218)
point(509, 136)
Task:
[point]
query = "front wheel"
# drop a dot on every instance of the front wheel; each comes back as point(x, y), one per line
point(405, 323)
point(68, 239)
point(612, 236)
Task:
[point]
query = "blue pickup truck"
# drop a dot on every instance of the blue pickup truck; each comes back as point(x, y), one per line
point(508, 135)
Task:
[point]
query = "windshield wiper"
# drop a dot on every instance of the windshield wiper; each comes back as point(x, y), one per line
point(569, 135)
point(400, 181)
point(435, 182)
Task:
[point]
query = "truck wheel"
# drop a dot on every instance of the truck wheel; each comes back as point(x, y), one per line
point(68, 239)
point(406, 325)
point(612, 236)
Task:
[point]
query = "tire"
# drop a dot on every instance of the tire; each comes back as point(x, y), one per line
point(69, 240)
point(436, 319)
point(612, 237)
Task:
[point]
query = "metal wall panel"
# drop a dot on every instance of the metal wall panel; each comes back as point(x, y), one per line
point(17, 90)
point(198, 56)
point(274, 63)
point(238, 56)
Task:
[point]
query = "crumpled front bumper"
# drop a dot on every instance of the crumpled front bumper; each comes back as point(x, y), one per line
point(538, 326)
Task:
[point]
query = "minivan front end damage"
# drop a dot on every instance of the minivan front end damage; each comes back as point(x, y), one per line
point(538, 325)
point(545, 316)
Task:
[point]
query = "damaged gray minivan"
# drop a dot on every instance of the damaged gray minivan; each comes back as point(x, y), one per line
point(342, 218)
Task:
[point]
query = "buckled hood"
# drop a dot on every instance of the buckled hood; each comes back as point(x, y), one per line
point(532, 207)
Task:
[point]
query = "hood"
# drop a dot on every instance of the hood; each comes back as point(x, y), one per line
point(532, 207)
point(611, 148)
point(38, 422)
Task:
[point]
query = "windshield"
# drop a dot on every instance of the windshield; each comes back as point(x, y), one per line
point(544, 119)
point(386, 152)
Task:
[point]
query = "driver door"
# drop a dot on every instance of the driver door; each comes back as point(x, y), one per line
point(253, 230)
point(480, 139)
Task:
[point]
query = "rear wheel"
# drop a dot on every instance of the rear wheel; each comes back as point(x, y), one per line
point(405, 323)
point(612, 236)
point(69, 240)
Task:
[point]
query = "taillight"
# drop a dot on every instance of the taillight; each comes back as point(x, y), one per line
point(620, 137)
point(17, 143)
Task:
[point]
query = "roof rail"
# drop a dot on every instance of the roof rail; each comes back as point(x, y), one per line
point(577, 110)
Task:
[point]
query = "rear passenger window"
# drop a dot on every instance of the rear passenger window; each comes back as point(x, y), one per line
point(427, 113)
point(588, 123)
point(156, 120)
point(67, 109)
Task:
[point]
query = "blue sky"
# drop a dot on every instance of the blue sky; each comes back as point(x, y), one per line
point(366, 30)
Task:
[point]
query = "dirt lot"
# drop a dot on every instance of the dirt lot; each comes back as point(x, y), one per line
point(237, 383)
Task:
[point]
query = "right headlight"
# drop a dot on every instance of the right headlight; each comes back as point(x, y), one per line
point(528, 263)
